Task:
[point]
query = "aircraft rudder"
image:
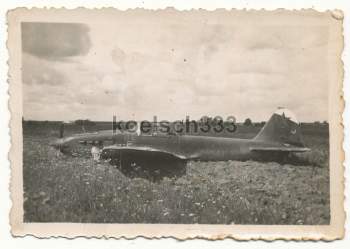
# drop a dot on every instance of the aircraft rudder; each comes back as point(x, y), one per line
point(282, 127)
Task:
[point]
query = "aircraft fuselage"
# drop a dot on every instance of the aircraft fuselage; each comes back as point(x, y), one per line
point(195, 147)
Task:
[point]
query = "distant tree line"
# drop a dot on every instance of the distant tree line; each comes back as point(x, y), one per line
point(84, 122)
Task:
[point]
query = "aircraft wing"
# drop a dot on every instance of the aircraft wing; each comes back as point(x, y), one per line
point(143, 151)
point(282, 148)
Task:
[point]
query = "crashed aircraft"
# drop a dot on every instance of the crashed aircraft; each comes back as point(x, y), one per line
point(279, 137)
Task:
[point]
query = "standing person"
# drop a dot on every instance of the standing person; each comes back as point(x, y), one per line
point(95, 152)
point(61, 130)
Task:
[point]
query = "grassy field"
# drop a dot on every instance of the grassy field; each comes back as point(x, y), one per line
point(76, 189)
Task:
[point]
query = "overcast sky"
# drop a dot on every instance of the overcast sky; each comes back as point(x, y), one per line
point(172, 68)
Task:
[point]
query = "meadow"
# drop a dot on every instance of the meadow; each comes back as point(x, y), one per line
point(62, 188)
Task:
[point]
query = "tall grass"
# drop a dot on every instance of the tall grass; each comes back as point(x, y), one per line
point(76, 189)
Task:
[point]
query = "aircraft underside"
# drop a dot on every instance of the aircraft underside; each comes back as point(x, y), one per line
point(154, 166)
point(147, 165)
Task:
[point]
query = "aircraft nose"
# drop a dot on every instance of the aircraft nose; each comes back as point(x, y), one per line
point(57, 144)
point(61, 145)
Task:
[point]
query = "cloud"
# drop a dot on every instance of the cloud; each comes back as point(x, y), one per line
point(36, 71)
point(175, 68)
point(55, 40)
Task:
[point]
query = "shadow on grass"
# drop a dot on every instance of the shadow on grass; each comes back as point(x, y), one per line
point(154, 171)
point(315, 158)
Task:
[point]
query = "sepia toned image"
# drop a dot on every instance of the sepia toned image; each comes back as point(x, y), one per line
point(206, 124)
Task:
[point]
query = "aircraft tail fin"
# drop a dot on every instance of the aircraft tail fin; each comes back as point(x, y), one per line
point(282, 128)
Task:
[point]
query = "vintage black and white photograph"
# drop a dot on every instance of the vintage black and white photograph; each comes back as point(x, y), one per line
point(167, 117)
